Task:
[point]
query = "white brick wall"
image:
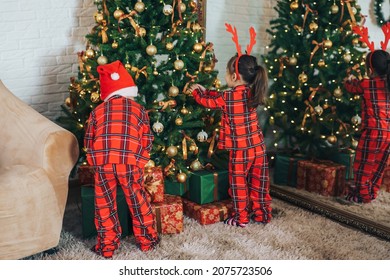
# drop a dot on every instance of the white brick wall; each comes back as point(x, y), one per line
point(40, 40)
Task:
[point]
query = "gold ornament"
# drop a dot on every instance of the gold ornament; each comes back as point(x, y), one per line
point(313, 26)
point(90, 53)
point(319, 110)
point(184, 110)
point(328, 44)
point(292, 61)
point(139, 6)
point(102, 60)
point(151, 50)
point(150, 164)
point(338, 92)
point(354, 143)
point(196, 27)
point(178, 64)
point(193, 148)
point(173, 91)
point(356, 120)
point(193, 4)
point(195, 165)
point(99, 17)
point(208, 68)
point(155, 72)
point(217, 83)
point(321, 63)
point(347, 57)
point(179, 121)
point(68, 102)
point(334, 9)
point(183, 7)
point(142, 32)
point(169, 46)
point(332, 139)
point(181, 177)
point(118, 13)
point(127, 66)
point(198, 47)
point(302, 77)
point(167, 10)
point(172, 151)
point(88, 68)
point(114, 45)
point(299, 92)
point(325, 106)
point(355, 41)
point(95, 97)
point(294, 5)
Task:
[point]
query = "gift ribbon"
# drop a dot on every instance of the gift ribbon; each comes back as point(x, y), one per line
point(178, 9)
point(174, 27)
point(348, 3)
point(318, 45)
point(308, 10)
point(215, 186)
point(132, 22)
point(184, 147)
point(192, 79)
point(138, 71)
point(211, 147)
point(202, 57)
point(281, 65)
point(80, 60)
point(158, 218)
point(103, 31)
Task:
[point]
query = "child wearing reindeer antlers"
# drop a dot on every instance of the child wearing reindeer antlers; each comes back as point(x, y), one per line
point(240, 133)
point(374, 144)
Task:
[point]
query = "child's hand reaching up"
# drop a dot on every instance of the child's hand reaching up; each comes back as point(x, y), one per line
point(197, 86)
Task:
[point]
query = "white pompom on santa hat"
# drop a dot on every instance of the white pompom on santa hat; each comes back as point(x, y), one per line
point(115, 80)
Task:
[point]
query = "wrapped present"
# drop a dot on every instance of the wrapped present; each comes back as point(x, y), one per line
point(209, 213)
point(346, 158)
point(386, 180)
point(169, 214)
point(176, 188)
point(86, 175)
point(208, 186)
point(88, 212)
point(323, 177)
point(285, 169)
point(154, 184)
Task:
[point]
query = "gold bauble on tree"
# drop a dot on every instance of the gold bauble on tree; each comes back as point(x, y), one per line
point(321, 63)
point(167, 10)
point(294, 5)
point(302, 77)
point(196, 165)
point(193, 4)
point(355, 41)
point(172, 151)
point(179, 121)
point(151, 50)
point(354, 143)
point(114, 45)
point(99, 17)
point(217, 83)
point(150, 164)
point(183, 7)
point(347, 57)
point(198, 47)
point(173, 91)
point(292, 61)
point(68, 102)
point(95, 97)
point(178, 64)
point(169, 46)
point(102, 60)
point(299, 92)
point(196, 27)
point(332, 139)
point(90, 53)
point(313, 26)
point(142, 32)
point(334, 9)
point(118, 13)
point(328, 44)
point(139, 6)
point(184, 110)
point(338, 92)
point(181, 177)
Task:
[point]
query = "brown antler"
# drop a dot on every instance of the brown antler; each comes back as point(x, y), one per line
point(249, 47)
point(363, 32)
point(230, 29)
point(386, 32)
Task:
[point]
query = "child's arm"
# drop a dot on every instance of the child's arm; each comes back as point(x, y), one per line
point(208, 98)
point(352, 85)
point(89, 136)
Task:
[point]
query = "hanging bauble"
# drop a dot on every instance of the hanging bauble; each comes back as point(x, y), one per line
point(354, 143)
point(313, 26)
point(217, 83)
point(139, 6)
point(142, 32)
point(195, 165)
point(355, 41)
point(193, 4)
point(179, 121)
point(155, 72)
point(332, 139)
point(150, 164)
point(118, 13)
point(169, 46)
point(356, 97)
point(334, 9)
point(178, 64)
point(338, 92)
point(173, 91)
point(292, 61)
point(325, 106)
point(172, 151)
point(114, 45)
point(184, 110)
point(102, 60)
point(198, 47)
point(95, 97)
point(328, 44)
point(294, 5)
point(183, 7)
point(99, 17)
point(181, 177)
point(158, 127)
point(68, 102)
point(151, 50)
point(196, 27)
point(90, 53)
point(208, 68)
point(127, 66)
point(167, 10)
point(88, 68)
point(193, 147)
point(302, 77)
point(202, 136)
point(299, 92)
point(321, 63)
point(347, 57)
point(319, 110)
point(356, 120)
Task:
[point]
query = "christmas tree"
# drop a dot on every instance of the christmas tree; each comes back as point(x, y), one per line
point(162, 46)
point(312, 50)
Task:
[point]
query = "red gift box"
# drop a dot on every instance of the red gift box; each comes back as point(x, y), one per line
point(86, 175)
point(386, 180)
point(323, 177)
point(154, 184)
point(209, 213)
point(169, 214)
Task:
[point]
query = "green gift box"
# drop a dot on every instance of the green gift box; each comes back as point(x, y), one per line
point(176, 188)
point(285, 170)
point(88, 212)
point(208, 186)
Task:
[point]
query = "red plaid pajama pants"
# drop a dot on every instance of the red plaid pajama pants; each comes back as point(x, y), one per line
point(249, 182)
point(370, 162)
point(129, 178)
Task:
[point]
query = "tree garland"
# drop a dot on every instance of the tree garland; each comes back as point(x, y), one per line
point(380, 19)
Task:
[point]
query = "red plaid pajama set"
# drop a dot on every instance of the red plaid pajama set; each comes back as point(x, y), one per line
point(374, 144)
point(118, 141)
point(240, 133)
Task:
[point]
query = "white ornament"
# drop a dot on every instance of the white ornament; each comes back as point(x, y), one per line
point(167, 10)
point(115, 76)
point(356, 119)
point(202, 136)
point(158, 127)
point(319, 110)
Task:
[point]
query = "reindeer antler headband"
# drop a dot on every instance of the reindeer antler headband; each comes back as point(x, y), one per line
point(363, 32)
point(233, 31)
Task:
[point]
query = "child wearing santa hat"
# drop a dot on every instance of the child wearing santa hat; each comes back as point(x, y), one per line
point(118, 141)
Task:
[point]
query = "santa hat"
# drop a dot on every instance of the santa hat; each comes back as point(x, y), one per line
point(115, 80)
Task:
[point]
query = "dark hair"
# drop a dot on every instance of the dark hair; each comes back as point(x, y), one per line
point(253, 74)
point(379, 63)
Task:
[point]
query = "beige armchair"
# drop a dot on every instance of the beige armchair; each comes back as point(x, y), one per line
point(36, 158)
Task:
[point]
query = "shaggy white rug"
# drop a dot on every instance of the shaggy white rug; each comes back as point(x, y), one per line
point(293, 234)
